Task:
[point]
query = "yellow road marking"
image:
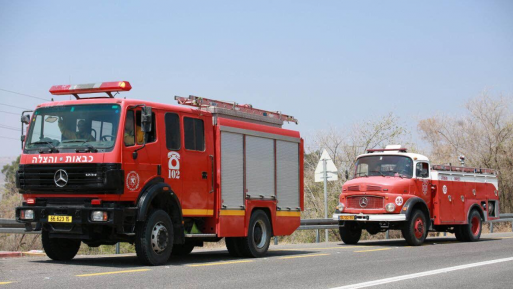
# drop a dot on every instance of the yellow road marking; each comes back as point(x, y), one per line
point(220, 263)
point(504, 237)
point(362, 251)
point(328, 248)
point(5, 283)
point(113, 272)
point(304, 256)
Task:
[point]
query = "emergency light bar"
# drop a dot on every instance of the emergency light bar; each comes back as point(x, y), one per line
point(76, 89)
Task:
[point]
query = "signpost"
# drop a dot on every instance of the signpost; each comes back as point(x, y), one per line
point(326, 171)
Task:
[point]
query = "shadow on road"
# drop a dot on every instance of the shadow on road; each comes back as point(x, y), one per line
point(131, 261)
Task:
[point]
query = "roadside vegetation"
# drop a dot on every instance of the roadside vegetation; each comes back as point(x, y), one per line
point(483, 134)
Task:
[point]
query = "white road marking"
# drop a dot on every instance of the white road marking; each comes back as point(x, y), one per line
point(421, 274)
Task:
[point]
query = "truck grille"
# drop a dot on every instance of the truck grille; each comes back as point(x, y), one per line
point(372, 202)
point(81, 178)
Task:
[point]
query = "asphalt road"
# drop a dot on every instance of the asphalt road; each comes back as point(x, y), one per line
point(440, 263)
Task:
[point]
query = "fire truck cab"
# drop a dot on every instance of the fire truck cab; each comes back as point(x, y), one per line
point(393, 189)
point(102, 170)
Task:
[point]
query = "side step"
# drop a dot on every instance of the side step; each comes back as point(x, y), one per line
point(201, 236)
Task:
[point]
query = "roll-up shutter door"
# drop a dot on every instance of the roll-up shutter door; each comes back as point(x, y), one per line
point(260, 167)
point(232, 192)
point(288, 188)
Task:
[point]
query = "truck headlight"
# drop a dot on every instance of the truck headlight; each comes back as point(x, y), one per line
point(27, 214)
point(340, 207)
point(99, 216)
point(390, 207)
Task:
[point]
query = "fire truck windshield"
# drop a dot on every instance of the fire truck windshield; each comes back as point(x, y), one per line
point(91, 127)
point(384, 165)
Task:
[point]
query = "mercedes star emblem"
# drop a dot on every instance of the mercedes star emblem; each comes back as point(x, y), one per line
point(61, 178)
point(363, 202)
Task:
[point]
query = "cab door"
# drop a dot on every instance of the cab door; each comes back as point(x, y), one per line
point(139, 170)
point(424, 184)
point(197, 166)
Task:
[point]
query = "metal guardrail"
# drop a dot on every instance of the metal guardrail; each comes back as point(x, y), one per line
point(10, 226)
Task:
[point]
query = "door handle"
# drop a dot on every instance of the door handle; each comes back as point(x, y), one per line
point(204, 175)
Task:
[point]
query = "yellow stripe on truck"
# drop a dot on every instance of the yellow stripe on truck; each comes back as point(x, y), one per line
point(288, 214)
point(197, 212)
point(232, 213)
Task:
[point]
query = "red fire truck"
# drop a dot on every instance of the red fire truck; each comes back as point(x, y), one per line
point(393, 189)
point(102, 170)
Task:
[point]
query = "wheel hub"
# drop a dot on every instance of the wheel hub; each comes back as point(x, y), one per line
point(159, 238)
point(419, 228)
point(259, 234)
point(475, 225)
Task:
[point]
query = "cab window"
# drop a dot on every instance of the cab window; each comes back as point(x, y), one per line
point(134, 125)
point(172, 131)
point(422, 170)
point(194, 134)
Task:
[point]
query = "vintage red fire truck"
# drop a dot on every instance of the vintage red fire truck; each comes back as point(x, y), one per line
point(102, 170)
point(393, 189)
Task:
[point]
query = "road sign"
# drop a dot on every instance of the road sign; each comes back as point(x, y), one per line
point(331, 168)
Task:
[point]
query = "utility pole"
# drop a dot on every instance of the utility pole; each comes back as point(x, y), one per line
point(325, 194)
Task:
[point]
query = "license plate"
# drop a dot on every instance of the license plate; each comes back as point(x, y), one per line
point(59, 219)
point(346, 217)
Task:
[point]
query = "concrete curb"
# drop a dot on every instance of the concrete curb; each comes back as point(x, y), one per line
point(5, 254)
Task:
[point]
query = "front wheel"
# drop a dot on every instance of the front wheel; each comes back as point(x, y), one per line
point(350, 233)
point(59, 249)
point(257, 242)
point(154, 238)
point(414, 230)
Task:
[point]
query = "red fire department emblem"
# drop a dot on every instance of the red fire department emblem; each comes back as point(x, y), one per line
point(132, 181)
point(425, 187)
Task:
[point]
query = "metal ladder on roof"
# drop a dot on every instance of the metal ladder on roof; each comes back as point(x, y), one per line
point(233, 110)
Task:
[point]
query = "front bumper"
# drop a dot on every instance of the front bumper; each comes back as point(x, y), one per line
point(372, 217)
point(81, 223)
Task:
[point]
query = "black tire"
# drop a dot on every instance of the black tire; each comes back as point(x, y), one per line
point(59, 249)
point(256, 244)
point(182, 249)
point(350, 233)
point(234, 246)
point(414, 229)
point(473, 229)
point(458, 233)
point(154, 238)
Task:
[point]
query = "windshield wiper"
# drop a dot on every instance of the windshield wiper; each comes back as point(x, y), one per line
point(378, 172)
point(359, 174)
point(50, 145)
point(89, 147)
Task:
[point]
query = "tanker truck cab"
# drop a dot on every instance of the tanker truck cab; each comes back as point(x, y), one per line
point(101, 170)
point(392, 189)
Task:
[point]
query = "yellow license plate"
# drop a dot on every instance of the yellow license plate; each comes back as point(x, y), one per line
point(59, 219)
point(346, 217)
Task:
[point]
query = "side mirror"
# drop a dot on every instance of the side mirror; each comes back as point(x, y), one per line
point(346, 174)
point(25, 119)
point(146, 119)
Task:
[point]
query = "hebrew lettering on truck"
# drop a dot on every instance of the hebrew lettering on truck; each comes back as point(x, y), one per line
point(393, 189)
point(167, 178)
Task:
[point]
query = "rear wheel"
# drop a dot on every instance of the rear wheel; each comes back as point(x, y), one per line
point(473, 229)
point(458, 233)
point(154, 238)
point(59, 249)
point(257, 242)
point(414, 230)
point(233, 246)
point(350, 233)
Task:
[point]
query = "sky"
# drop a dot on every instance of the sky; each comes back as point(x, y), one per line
point(328, 63)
